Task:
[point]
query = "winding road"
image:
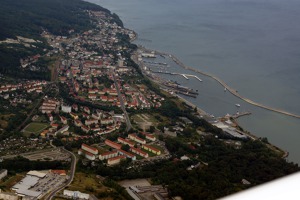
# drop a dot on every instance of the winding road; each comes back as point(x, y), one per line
point(71, 177)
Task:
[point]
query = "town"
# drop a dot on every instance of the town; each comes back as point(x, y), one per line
point(103, 125)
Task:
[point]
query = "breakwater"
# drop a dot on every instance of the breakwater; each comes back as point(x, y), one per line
point(221, 82)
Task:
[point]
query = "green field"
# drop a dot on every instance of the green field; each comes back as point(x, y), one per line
point(35, 127)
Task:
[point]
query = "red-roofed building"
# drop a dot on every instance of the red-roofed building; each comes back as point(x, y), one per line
point(63, 120)
point(124, 141)
point(113, 144)
point(77, 123)
point(89, 149)
point(127, 154)
point(151, 149)
point(149, 136)
point(136, 138)
point(108, 155)
point(85, 128)
point(59, 172)
point(87, 154)
point(115, 160)
point(139, 152)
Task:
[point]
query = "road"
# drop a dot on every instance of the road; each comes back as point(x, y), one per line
point(34, 108)
point(71, 177)
point(127, 119)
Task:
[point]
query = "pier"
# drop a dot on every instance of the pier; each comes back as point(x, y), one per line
point(184, 76)
point(231, 90)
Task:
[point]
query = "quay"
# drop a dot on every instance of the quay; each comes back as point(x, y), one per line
point(231, 90)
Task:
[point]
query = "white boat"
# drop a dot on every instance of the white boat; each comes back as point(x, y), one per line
point(237, 105)
point(225, 89)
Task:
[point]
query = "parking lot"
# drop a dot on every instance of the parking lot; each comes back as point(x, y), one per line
point(51, 154)
point(49, 182)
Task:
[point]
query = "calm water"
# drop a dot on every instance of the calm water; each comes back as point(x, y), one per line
point(253, 45)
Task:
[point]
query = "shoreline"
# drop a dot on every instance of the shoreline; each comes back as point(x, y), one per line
point(284, 154)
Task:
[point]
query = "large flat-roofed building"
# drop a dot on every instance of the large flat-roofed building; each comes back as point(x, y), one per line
point(22, 188)
point(37, 174)
point(3, 173)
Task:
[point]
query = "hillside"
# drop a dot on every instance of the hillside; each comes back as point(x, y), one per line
point(28, 18)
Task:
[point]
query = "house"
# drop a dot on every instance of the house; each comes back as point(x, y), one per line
point(90, 121)
point(77, 123)
point(75, 107)
point(63, 120)
point(74, 115)
point(50, 117)
point(87, 110)
point(107, 121)
point(85, 128)
point(84, 115)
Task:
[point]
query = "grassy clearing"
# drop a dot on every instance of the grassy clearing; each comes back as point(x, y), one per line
point(35, 127)
point(87, 183)
point(11, 181)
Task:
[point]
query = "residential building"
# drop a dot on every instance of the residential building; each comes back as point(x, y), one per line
point(149, 136)
point(87, 154)
point(151, 149)
point(127, 154)
point(66, 109)
point(108, 155)
point(124, 141)
point(136, 138)
point(113, 144)
point(139, 152)
point(89, 149)
point(115, 160)
point(76, 194)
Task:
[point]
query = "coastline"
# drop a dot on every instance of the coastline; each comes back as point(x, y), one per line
point(284, 154)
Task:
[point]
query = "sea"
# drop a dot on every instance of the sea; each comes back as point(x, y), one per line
point(252, 45)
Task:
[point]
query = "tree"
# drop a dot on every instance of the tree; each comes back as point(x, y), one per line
point(125, 147)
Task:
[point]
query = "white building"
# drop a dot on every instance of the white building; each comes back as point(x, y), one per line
point(76, 194)
point(66, 109)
